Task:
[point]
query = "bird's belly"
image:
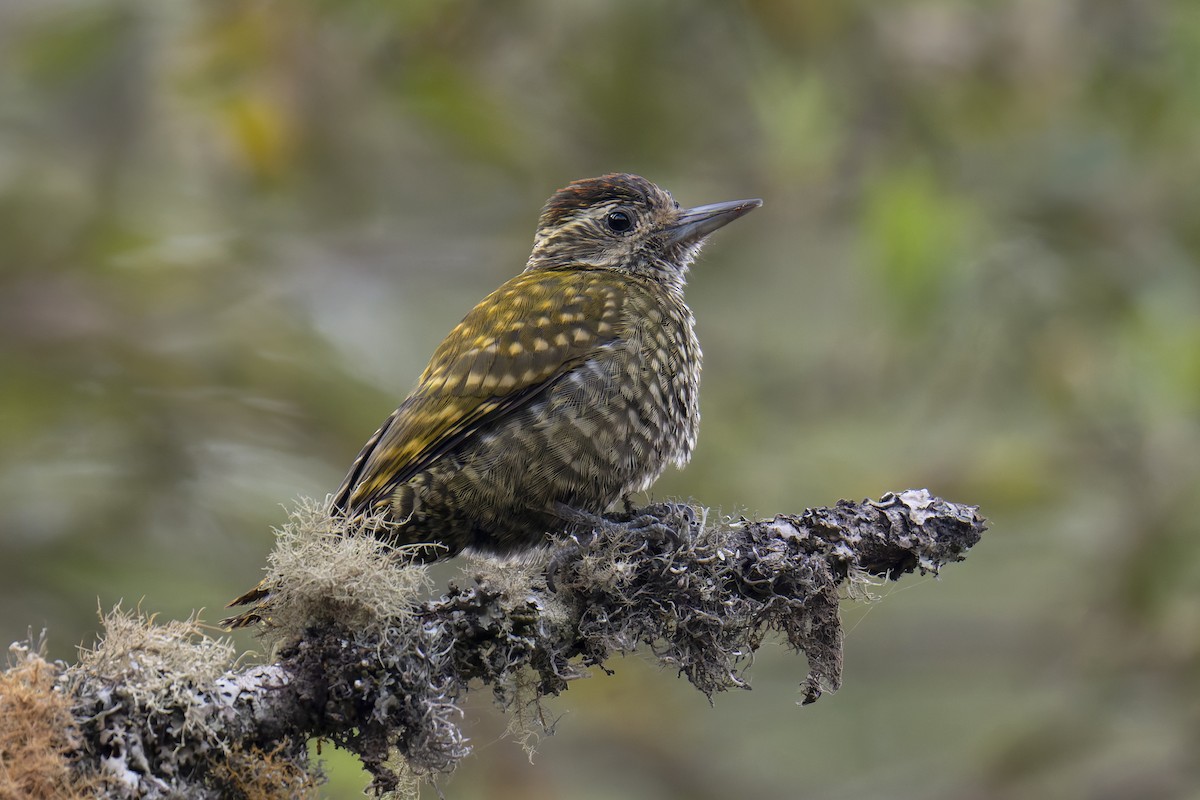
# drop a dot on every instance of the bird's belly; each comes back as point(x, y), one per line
point(605, 429)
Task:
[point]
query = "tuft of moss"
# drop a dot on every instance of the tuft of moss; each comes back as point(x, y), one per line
point(157, 667)
point(38, 735)
point(257, 774)
point(322, 573)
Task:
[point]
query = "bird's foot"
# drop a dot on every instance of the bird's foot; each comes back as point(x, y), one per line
point(661, 527)
point(584, 527)
point(665, 524)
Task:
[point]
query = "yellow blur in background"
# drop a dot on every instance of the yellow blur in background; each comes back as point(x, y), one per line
point(231, 234)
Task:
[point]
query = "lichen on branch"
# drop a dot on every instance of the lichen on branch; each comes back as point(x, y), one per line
point(366, 657)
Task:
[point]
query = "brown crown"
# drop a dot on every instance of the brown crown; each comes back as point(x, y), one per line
point(615, 187)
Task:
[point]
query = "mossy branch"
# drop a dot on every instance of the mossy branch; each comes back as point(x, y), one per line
point(366, 659)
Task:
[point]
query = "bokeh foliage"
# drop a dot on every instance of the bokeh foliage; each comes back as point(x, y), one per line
point(231, 232)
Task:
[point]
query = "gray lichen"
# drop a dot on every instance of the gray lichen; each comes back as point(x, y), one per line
point(365, 658)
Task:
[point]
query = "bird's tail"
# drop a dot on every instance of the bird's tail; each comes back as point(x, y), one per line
point(260, 597)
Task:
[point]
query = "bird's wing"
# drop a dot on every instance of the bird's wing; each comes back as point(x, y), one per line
point(518, 340)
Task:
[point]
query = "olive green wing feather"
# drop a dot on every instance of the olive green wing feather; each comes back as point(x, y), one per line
point(519, 340)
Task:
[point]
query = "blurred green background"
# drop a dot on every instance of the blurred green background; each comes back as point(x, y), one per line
point(231, 233)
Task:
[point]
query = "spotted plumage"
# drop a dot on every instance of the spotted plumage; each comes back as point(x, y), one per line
point(572, 385)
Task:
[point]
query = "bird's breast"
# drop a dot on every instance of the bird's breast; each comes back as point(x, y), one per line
point(662, 376)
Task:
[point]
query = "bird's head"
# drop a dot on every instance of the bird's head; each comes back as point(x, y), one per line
point(625, 223)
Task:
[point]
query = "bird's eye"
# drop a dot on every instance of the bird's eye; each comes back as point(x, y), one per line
point(618, 221)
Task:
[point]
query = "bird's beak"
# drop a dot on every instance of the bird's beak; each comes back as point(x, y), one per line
point(696, 223)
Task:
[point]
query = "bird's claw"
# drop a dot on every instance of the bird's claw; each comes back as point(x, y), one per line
point(566, 553)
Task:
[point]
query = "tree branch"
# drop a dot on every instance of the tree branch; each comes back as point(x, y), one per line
point(382, 672)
